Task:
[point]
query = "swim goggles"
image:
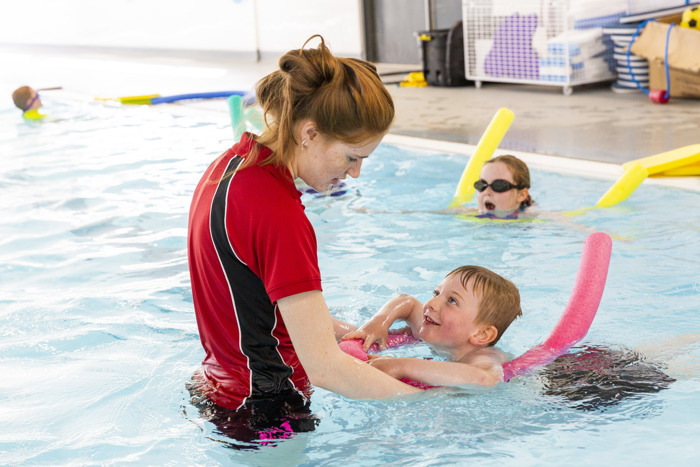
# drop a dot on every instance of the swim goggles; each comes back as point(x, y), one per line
point(499, 186)
point(31, 102)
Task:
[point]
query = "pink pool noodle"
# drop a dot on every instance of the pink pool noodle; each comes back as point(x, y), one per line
point(579, 312)
point(353, 347)
point(571, 327)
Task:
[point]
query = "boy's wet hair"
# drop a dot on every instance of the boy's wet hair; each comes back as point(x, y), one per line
point(499, 299)
point(344, 97)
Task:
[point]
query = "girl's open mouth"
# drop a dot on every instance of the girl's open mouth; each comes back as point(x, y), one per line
point(489, 206)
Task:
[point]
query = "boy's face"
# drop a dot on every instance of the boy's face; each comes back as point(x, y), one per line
point(448, 317)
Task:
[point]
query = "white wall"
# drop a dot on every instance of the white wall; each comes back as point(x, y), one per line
point(285, 25)
point(270, 26)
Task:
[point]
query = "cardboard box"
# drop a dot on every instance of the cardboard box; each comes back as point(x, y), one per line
point(683, 58)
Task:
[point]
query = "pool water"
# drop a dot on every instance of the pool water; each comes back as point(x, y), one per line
point(98, 335)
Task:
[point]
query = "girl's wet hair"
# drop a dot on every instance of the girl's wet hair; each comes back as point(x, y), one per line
point(519, 171)
point(499, 298)
point(344, 97)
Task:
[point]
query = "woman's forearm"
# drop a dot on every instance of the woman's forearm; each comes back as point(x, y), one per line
point(311, 329)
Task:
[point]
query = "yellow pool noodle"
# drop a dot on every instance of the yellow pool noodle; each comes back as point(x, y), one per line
point(484, 150)
point(33, 115)
point(668, 160)
point(621, 190)
point(686, 170)
point(130, 100)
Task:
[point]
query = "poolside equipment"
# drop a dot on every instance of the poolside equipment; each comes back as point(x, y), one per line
point(658, 96)
point(410, 78)
point(415, 79)
point(154, 99)
point(571, 327)
point(681, 161)
point(442, 55)
point(559, 43)
point(484, 150)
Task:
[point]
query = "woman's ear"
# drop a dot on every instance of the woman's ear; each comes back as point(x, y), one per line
point(308, 130)
point(484, 336)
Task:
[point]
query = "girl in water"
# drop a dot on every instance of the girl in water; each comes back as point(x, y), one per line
point(502, 191)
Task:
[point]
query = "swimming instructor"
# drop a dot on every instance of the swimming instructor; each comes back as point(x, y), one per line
point(256, 285)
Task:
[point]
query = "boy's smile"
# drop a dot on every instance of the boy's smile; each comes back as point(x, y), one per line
point(427, 320)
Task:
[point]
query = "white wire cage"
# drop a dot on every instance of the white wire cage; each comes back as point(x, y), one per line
point(642, 6)
point(545, 42)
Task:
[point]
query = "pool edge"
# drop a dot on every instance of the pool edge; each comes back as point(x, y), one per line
point(559, 164)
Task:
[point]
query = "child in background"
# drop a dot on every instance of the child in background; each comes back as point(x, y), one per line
point(28, 101)
point(469, 312)
point(502, 191)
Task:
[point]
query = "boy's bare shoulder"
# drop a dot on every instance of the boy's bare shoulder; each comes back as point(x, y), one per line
point(486, 357)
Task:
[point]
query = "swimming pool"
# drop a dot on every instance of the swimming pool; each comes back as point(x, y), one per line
point(99, 336)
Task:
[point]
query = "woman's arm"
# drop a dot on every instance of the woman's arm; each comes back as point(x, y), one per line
point(439, 373)
point(402, 307)
point(310, 327)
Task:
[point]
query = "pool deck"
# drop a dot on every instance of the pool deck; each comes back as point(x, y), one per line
point(592, 124)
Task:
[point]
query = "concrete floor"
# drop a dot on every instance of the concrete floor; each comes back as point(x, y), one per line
point(593, 123)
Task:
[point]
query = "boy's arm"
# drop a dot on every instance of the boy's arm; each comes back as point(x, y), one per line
point(402, 307)
point(483, 371)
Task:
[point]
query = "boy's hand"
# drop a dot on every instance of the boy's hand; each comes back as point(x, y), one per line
point(370, 332)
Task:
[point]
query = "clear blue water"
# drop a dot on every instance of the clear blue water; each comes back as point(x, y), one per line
point(98, 336)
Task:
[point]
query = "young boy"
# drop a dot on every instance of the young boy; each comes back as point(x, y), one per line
point(26, 99)
point(469, 312)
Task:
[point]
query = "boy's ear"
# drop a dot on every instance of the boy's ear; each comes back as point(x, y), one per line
point(484, 336)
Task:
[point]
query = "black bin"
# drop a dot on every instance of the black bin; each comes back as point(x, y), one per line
point(442, 54)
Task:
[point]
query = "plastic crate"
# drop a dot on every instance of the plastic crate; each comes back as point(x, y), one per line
point(442, 54)
point(545, 42)
point(641, 6)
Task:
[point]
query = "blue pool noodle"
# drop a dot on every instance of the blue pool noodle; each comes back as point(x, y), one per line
point(195, 95)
